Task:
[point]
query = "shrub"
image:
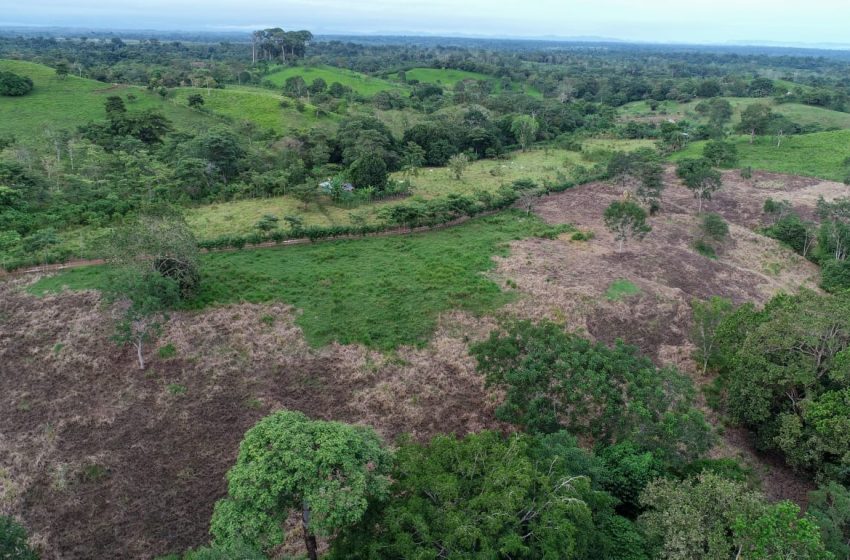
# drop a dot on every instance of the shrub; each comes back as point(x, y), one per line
point(13, 541)
point(721, 154)
point(835, 275)
point(714, 227)
point(13, 85)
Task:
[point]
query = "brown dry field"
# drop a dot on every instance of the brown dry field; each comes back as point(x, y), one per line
point(101, 460)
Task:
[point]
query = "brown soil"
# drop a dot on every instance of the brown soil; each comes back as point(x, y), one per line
point(101, 460)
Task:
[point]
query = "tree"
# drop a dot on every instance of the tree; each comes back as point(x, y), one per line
point(295, 86)
point(62, 70)
point(369, 170)
point(552, 380)
point(305, 193)
point(13, 541)
point(755, 119)
point(155, 266)
point(115, 108)
point(708, 316)
point(711, 518)
point(626, 220)
point(412, 159)
point(829, 507)
point(484, 497)
point(786, 370)
point(195, 100)
point(651, 185)
point(700, 178)
point(328, 472)
point(721, 154)
point(718, 111)
point(525, 128)
point(458, 164)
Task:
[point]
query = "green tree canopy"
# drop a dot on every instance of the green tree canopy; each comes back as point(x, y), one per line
point(327, 472)
point(554, 380)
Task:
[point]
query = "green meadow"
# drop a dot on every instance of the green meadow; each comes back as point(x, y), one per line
point(815, 155)
point(360, 83)
point(58, 104)
point(382, 292)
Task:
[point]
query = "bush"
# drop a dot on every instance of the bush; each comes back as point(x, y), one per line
point(835, 276)
point(13, 85)
point(13, 541)
point(792, 231)
point(714, 227)
point(721, 154)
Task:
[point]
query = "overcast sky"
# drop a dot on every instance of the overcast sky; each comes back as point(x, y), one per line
point(714, 21)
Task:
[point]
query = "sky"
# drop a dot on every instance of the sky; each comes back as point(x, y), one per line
point(816, 22)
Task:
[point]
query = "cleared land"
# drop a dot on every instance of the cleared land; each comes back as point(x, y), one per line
point(76, 400)
point(56, 104)
point(360, 83)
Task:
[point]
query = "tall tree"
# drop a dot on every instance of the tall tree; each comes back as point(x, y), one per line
point(328, 472)
point(524, 129)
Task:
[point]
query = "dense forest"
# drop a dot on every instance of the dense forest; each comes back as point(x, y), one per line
point(178, 159)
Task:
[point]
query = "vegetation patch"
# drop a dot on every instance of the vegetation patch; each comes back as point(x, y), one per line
point(360, 83)
point(621, 289)
point(382, 292)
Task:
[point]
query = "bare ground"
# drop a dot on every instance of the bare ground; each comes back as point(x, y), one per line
point(102, 460)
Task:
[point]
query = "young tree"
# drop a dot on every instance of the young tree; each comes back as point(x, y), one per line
point(755, 119)
point(328, 472)
point(62, 70)
point(700, 178)
point(626, 220)
point(651, 185)
point(196, 100)
point(458, 164)
point(524, 129)
point(156, 265)
point(721, 154)
point(708, 316)
point(412, 159)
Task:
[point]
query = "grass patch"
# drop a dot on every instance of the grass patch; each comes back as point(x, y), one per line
point(621, 289)
point(56, 104)
point(381, 292)
point(166, 351)
point(797, 112)
point(257, 105)
point(814, 155)
point(360, 83)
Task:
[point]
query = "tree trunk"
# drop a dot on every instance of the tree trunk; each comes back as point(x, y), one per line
point(699, 206)
point(752, 135)
point(309, 538)
point(138, 345)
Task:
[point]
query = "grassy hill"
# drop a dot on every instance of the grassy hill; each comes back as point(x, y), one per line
point(258, 105)
point(68, 103)
point(814, 155)
point(361, 83)
point(797, 112)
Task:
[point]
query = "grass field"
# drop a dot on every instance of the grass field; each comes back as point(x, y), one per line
point(450, 77)
point(66, 104)
point(258, 105)
point(361, 83)
point(240, 217)
point(381, 292)
point(814, 155)
point(797, 112)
